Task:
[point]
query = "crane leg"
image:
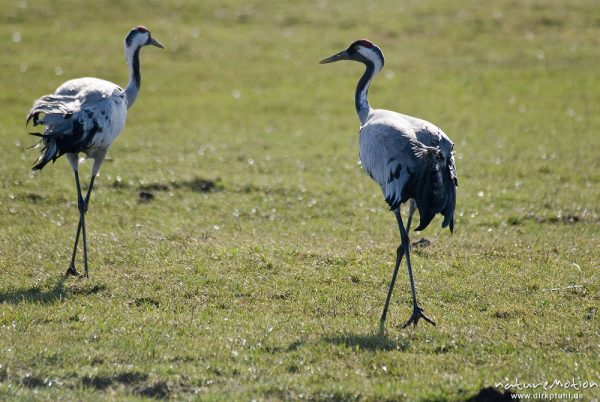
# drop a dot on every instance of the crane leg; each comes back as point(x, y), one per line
point(399, 254)
point(83, 207)
point(417, 310)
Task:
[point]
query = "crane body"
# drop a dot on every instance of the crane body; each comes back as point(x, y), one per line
point(85, 115)
point(411, 159)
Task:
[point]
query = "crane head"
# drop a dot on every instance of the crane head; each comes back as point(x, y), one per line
point(362, 50)
point(138, 37)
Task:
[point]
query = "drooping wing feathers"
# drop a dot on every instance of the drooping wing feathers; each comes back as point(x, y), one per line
point(50, 105)
point(452, 167)
point(82, 114)
point(55, 112)
point(66, 128)
point(433, 185)
point(410, 158)
point(451, 185)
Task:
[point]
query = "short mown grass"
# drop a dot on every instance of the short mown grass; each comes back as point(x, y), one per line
point(238, 251)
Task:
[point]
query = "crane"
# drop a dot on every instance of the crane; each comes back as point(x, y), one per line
point(411, 159)
point(85, 115)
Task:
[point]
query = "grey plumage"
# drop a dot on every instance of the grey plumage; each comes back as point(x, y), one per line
point(85, 115)
point(411, 160)
point(433, 186)
point(85, 122)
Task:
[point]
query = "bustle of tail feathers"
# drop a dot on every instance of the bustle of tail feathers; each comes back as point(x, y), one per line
point(434, 186)
point(48, 153)
point(56, 116)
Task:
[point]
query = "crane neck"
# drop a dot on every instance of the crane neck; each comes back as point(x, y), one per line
point(135, 78)
point(362, 89)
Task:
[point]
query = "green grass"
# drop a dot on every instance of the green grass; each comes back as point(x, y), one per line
point(271, 286)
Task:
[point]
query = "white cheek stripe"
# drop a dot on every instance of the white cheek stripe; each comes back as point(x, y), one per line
point(373, 56)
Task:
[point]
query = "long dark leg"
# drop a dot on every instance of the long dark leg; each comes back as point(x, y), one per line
point(417, 311)
point(82, 219)
point(72, 270)
point(82, 206)
point(399, 254)
point(85, 259)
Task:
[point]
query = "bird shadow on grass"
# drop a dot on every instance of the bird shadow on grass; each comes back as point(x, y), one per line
point(48, 293)
point(373, 342)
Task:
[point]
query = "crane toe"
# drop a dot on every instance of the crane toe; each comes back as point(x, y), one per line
point(416, 316)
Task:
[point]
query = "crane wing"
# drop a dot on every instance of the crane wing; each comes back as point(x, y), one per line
point(387, 157)
point(72, 125)
point(433, 185)
point(406, 168)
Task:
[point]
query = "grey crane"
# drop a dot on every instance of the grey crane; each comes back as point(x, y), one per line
point(411, 160)
point(85, 115)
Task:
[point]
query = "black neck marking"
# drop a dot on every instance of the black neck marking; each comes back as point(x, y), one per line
point(363, 84)
point(137, 78)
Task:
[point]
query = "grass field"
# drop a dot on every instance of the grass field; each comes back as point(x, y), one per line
point(270, 285)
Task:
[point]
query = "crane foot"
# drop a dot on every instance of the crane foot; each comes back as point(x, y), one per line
point(416, 316)
point(72, 271)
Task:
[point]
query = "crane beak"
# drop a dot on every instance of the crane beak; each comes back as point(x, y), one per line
point(343, 55)
point(156, 43)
